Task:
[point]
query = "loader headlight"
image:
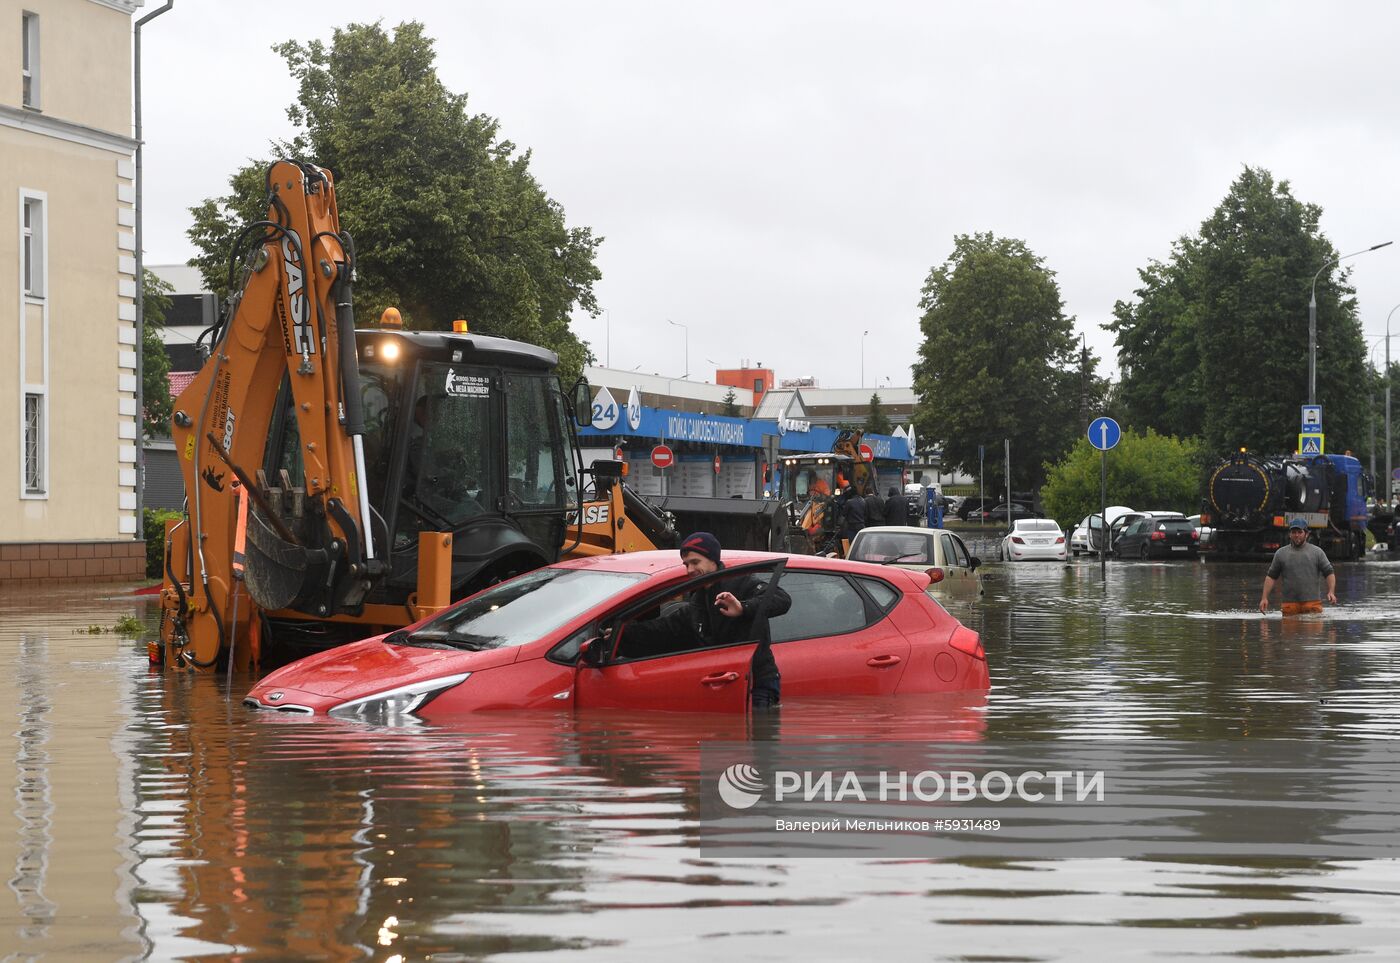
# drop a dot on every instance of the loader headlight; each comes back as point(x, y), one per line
point(397, 706)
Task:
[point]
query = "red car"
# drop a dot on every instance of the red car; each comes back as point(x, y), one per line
point(557, 638)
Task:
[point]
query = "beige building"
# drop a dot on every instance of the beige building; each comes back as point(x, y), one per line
point(67, 292)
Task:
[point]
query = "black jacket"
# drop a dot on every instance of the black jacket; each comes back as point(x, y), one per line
point(852, 514)
point(874, 509)
point(698, 624)
point(897, 510)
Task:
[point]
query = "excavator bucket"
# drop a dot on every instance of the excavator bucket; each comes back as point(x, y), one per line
point(278, 572)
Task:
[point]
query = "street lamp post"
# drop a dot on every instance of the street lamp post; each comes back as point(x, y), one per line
point(1371, 403)
point(1312, 318)
point(686, 329)
point(1387, 403)
point(862, 357)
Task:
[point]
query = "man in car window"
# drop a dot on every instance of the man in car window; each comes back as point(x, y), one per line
point(723, 612)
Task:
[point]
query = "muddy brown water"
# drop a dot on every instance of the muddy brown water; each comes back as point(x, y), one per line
point(150, 815)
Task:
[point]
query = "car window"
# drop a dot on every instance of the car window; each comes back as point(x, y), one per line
point(1175, 525)
point(1041, 525)
point(882, 593)
point(964, 559)
point(822, 604)
point(659, 624)
point(567, 651)
point(904, 548)
point(950, 557)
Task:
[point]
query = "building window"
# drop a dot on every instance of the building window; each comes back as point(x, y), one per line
point(32, 247)
point(33, 444)
point(29, 56)
point(758, 386)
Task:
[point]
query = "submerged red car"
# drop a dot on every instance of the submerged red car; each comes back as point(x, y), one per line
point(557, 638)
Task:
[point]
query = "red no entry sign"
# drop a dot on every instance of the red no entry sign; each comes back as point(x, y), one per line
point(662, 456)
point(866, 452)
point(717, 464)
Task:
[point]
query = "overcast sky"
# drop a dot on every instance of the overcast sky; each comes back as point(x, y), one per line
point(780, 177)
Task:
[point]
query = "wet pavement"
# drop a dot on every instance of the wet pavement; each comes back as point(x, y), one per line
point(154, 817)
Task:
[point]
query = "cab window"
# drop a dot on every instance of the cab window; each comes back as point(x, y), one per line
point(534, 444)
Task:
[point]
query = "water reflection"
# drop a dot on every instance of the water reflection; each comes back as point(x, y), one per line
point(154, 816)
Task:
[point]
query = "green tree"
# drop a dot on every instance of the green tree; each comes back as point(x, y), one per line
point(729, 404)
point(997, 360)
point(1145, 470)
point(1216, 342)
point(155, 363)
point(447, 218)
point(876, 421)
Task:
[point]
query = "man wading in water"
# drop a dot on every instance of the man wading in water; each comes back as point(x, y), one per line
point(1301, 566)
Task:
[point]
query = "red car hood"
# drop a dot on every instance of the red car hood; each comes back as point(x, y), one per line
point(364, 668)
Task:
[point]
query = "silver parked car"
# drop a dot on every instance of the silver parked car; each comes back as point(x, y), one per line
point(1088, 534)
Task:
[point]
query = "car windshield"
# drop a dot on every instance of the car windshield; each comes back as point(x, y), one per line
point(892, 547)
point(524, 609)
point(1037, 525)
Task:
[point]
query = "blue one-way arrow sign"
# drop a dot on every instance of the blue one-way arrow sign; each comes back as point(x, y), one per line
point(1104, 433)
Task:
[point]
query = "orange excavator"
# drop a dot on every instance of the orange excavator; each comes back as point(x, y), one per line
point(342, 482)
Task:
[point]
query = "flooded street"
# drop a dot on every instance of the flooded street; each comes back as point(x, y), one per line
point(154, 817)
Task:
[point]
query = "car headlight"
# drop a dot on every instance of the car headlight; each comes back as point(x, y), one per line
point(397, 705)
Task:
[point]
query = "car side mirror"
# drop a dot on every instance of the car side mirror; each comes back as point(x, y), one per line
point(593, 652)
point(583, 403)
point(972, 562)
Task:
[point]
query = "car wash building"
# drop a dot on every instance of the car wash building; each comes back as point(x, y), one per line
point(670, 452)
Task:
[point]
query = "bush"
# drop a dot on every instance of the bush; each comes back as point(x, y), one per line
point(154, 520)
point(1148, 472)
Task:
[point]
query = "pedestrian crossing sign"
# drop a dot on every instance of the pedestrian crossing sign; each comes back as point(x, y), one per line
point(1310, 443)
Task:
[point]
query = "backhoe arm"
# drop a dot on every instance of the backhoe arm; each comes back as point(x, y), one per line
point(283, 355)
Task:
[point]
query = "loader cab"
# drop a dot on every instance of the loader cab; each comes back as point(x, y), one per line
point(810, 485)
point(463, 434)
point(813, 476)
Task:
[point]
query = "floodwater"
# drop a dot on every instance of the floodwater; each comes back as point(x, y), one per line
point(152, 816)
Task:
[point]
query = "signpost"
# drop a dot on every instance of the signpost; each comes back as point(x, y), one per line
point(1104, 434)
point(1310, 443)
point(716, 464)
point(981, 483)
point(1311, 440)
point(1009, 522)
point(662, 456)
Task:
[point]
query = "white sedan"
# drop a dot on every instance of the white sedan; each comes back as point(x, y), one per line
point(1034, 538)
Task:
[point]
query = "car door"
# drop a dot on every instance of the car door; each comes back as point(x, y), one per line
point(1130, 541)
point(698, 679)
point(837, 638)
point(957, 565)
point(704, 680)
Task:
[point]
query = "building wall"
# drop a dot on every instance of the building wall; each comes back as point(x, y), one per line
point(74, 345)
point(758, 381)
point(84, 63)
